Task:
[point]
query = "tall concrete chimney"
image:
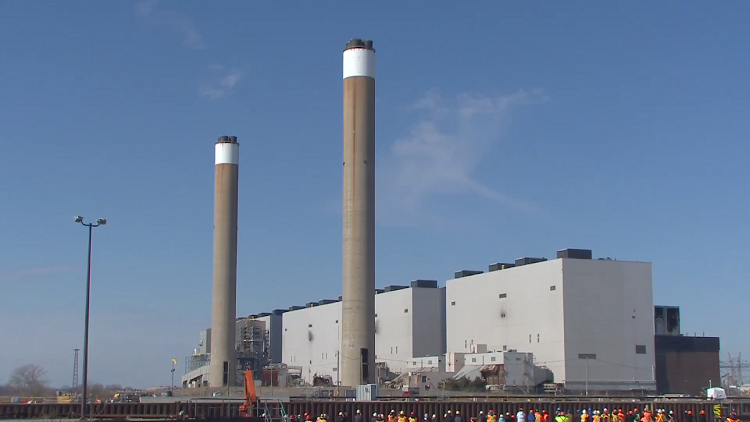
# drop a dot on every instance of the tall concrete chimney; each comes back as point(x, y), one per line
point(223, 359)
point(358, 301)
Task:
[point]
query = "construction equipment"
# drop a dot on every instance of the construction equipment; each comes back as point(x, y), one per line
point(251, 398)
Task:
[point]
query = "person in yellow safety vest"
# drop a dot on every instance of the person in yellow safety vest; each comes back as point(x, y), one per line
point(585, 416)
point(733, 418)
point(401, 416)
point(392, 416)
point(491, 417)
point(539, 416)
point(613, 416)
point(413, 417)
point(605, 415)
point(660, 415)
point(596, 417)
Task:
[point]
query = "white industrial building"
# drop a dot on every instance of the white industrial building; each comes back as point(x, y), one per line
point(577, 316)
point(511, 370)
point(410, 323)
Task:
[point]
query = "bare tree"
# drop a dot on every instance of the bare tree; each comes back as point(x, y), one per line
point(28, 380)
point(97, 390)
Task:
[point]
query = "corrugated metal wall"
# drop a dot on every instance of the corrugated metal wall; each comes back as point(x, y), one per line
point(230, 410)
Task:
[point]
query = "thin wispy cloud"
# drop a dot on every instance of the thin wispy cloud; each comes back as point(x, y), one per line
point(438, 158)
point(224, 86)
point(14, 276)
point(176, 21)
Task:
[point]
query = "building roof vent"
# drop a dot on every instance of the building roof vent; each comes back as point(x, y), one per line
point(393, 288)
point(574, 253)
point(263, 314)
point(326, 301)
point(528, 260)
point(466, 273)
point(379, 291)
point(429, 284)
point(296, 308)
point(279, 311)
point(500, 266)
point(311, 304)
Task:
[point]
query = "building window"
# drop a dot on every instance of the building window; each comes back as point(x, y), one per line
point(453, 303)
point(529, 338)
point(406, 311)
point(391, 349)
point(466, 344)
point(537, 338)
point(492, 359)
point(376, 315)
point(322, 356)
point(424, 378)
point(503, 295)
point(335, 369)
point(309, 325)
point(552, 288)
point(640, 349)
point(505, 347)
point(429, 362)
point(396, 349)
point(337, 321)
point(414, 364)
point(473, 359)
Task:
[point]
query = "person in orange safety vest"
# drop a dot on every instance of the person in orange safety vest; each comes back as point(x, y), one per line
point(646, 415)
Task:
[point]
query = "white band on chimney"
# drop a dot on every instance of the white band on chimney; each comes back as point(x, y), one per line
point(227, 153)
point(359, 62)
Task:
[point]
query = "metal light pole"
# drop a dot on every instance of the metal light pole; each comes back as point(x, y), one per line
point(587, 356)
point(174, 364)
point(587, 376)
point(99, 222)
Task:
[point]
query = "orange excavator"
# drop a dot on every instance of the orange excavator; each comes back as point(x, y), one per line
point(251, 399)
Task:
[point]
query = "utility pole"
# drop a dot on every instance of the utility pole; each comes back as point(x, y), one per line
point(75, 371)
point(740, 380)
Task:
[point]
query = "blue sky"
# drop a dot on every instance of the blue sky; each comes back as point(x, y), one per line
point(503, 130)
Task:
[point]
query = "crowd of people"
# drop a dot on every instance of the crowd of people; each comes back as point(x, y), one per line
point(561, 415)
